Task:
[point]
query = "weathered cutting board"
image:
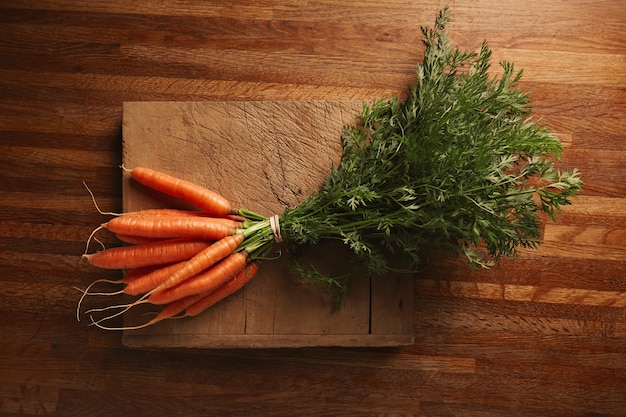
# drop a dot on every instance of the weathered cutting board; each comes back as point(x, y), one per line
point(263, 156)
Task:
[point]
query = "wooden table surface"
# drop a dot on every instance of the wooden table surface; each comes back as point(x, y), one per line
point(542, 335)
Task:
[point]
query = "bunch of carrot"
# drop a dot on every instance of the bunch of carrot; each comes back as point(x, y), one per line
point(457, 165)
point(182, 260)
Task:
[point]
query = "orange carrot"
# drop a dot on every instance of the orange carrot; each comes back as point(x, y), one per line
point(203, 260)
point(201, 197)
point(206, 281)
point(169, 227)
point(167, 212)
point(126, 257)
point(236, 218)
point(135, 240)
point(233, 221)
point(152, 279)
point(176, 307)
point(230, 287)
point(134, 274)
point(233, 224)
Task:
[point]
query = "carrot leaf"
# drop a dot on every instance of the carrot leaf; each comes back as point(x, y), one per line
point(459, 164)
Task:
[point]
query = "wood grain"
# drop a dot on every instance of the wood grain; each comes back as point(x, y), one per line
point(544, 334)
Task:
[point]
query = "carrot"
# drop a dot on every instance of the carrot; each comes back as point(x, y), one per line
point(169, 227)
point(160, 280)
point(233, 224)
point(128, 238)
point(134, 274)
point(167, 212)
point(125, 257)
point(231, 220)
point(203, 260)
point(195, 304)
point(152, 279)
point(206, 281)
point(201, 197)
point(135, 240)
point(230, 287)
point(236, 217)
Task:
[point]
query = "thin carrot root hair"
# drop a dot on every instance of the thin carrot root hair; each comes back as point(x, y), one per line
point(87, 293)
point(92, 236)
point(103, 327)
point(171, 311)
point(97, 323)
point(95, 203)
point(124, 308)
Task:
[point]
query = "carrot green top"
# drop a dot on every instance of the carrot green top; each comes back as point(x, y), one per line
point(458, 164)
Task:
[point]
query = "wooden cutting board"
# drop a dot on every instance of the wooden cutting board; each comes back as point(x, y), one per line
point(264, 156)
